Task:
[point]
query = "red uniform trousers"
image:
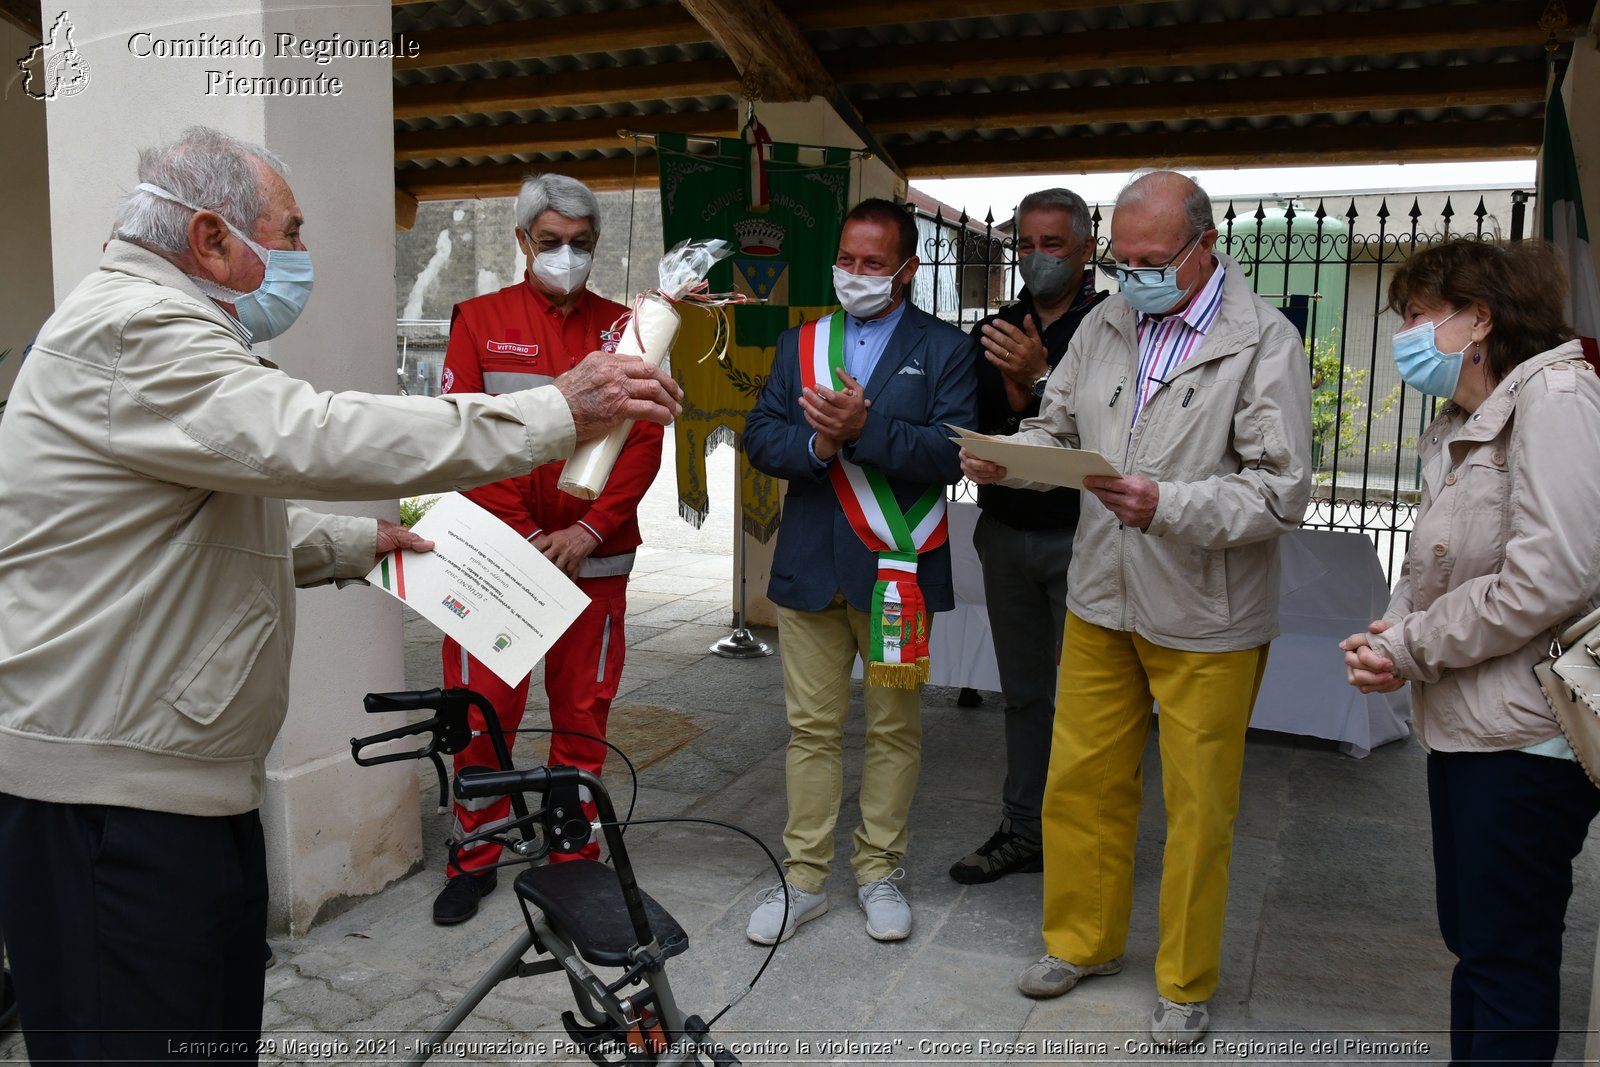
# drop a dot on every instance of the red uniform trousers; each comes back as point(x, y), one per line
point(581, 673)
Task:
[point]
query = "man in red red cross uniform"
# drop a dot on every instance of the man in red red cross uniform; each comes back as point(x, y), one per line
point(522, 336)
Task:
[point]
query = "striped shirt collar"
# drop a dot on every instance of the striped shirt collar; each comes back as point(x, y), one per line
point(1165, 342)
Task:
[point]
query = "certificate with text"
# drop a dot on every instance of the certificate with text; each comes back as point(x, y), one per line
point(1050, 464)
point(484, 586)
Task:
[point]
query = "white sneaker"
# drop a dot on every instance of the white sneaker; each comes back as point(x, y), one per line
point(1175, 1025)
point(888, 914)
point(767, 923)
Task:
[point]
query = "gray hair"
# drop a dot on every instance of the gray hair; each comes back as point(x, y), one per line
point(565, 196)
point(1197, 213)
point(206, 167)
point(1059, 200)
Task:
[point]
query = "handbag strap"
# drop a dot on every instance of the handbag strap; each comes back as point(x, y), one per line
point(1578, 629)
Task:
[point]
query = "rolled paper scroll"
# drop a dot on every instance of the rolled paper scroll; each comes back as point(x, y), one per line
point(649, 335)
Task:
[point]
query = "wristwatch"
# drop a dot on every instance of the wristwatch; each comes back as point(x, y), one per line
point(1038, 386)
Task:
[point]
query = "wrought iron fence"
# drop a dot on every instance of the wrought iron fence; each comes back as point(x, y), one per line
point(1329, 269)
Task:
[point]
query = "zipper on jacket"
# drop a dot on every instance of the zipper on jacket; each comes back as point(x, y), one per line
point(1117, 391)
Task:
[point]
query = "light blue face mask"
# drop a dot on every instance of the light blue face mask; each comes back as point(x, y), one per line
point(1157, 295)
point(1422, 366)
point(285, 287)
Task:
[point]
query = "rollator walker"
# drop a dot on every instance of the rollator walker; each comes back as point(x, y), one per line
point(581, 914)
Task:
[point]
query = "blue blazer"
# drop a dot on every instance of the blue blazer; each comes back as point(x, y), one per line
point(924, 380)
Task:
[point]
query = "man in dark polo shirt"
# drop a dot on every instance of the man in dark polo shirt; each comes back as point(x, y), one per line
point(1024, 538)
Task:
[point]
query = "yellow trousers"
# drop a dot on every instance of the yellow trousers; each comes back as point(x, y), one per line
point(1109, 679)
point(818, 649)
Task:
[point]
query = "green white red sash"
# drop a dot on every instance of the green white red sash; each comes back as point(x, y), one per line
point(899, 618)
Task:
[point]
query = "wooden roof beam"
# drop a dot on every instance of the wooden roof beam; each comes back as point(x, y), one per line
point(518, 137)
point(672, 24)
point(558, 35)
point(850, 14)
point(776, 63)
point(1375, 90)
point(1429, 29)
point(1396, 142)
point(581, 88)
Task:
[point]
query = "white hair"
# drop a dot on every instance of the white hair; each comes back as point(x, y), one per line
point(206, 167)
point(567, 197)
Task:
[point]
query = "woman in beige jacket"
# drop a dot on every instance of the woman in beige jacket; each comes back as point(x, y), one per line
point(1506, 547)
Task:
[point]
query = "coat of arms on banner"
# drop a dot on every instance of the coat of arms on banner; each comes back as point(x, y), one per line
point(757, 270)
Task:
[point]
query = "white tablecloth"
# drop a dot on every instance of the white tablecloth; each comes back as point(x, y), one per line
point(1332, 586)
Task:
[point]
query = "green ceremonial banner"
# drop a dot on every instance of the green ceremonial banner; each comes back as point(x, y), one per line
point(783, 253)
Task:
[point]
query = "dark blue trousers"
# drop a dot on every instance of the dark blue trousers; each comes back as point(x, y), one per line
point(1506, 827)
point(134, 936)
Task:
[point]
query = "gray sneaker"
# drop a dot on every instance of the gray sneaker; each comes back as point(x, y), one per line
point(1177, 1025)
point(766, 922)
point(1051, 976)
point(888, 914)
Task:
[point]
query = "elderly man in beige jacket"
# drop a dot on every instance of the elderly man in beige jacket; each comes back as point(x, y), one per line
point(150, 554)
point(1199, 392)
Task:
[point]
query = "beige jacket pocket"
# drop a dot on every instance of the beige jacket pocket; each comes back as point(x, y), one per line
point(208, 684)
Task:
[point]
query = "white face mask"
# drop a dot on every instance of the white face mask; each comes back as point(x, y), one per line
point(864, 295)
point(563, 269)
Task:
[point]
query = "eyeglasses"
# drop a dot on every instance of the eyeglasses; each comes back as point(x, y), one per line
point(1149, 275)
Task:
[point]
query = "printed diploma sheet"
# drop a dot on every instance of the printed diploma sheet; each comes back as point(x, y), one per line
point(1050, 464)
point(484, 586)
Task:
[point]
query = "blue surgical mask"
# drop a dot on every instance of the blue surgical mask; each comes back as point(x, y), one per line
point(274, 305)
point(1422, 366)
point(1155, 297)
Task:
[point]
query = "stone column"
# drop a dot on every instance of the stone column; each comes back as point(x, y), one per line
point(811, 122)
point(334, 831)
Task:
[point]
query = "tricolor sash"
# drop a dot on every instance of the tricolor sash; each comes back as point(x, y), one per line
point(899, 653)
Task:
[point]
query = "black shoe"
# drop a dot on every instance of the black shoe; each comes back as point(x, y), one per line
point(1004, 853)
point(458, 900)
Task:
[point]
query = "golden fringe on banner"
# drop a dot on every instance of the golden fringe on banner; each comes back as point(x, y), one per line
point(899, 675)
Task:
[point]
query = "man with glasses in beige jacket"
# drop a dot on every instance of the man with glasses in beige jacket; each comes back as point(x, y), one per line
point(1199, 392)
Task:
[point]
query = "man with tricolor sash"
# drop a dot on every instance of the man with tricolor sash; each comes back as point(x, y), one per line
point(854, 416)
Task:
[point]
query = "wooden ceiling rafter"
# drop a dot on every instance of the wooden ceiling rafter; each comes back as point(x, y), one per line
point(672, 24)
point(775, 61)
point(517, 138)
point(1394, 142)
point(1368, 90)
point(581, 88)
point(1407, 30)
point(812, 15)
point(559, 35)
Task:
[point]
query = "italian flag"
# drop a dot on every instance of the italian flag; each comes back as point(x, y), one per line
point(1566, 227)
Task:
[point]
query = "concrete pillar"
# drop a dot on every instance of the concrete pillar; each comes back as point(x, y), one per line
point(811, 122)
point(334, 831)
point(26, 293)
